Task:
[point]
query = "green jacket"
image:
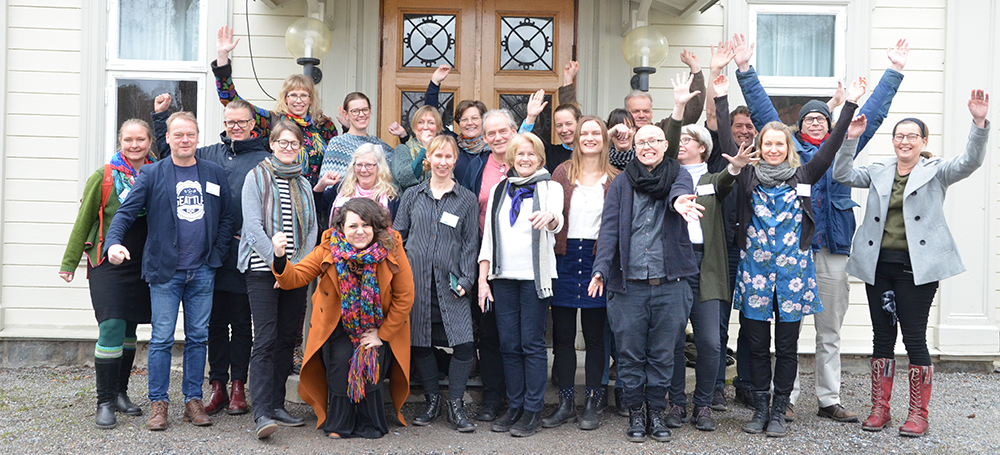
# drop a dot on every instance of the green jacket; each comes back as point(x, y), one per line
point(83, 238)
point(714, 277)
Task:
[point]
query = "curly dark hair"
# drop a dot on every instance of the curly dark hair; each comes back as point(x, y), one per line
point(370, 212)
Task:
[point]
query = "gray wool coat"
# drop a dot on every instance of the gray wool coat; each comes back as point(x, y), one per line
point(933, 253)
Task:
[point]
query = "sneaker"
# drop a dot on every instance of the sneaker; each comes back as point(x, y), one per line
point(702, 418)
point(675, 417)
point(719, 401)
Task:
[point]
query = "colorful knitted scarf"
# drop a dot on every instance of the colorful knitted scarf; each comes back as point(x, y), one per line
point(123, 174)
point(313, 142)
point(472, 146)
point(360, 306)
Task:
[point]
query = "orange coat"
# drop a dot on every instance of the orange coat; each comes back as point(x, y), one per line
point(395, 282)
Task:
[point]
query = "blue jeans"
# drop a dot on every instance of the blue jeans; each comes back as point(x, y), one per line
point(647, 320)
point(703, 317)
point(521, 318)
point(194, 288)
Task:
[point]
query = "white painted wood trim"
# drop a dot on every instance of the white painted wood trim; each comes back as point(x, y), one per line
point(3, 134)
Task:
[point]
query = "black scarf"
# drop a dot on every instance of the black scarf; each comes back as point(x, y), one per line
point(655, 183)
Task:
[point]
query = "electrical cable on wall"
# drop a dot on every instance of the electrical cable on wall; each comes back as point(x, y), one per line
point(250, 47)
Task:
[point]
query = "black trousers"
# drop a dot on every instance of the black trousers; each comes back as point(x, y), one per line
point(592, 321)
point(229, 353)
point(490, 361)
point(913, 305)
point(275, 323)
point(786, 355)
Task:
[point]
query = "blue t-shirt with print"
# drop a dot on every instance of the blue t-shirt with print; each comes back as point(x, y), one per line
point(190, 218)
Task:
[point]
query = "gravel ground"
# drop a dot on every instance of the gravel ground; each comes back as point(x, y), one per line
point(52, 410)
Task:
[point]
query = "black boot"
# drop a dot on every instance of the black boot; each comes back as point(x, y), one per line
point(776, 426)
point(657, 427)
point(457, 418)
point(602, 401)
point(431, 412)
point(106, 375)
point(566, 412)
point(503, 423)
point(636, 431)
point(527, 425)
point(761, 414)
point(590, 420)
point(122, 402)
point(620, 403)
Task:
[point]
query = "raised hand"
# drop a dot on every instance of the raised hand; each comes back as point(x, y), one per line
point(858, 89)
point(721, 85)
point(570, 71)
point(721, 56)
point(682, 88)
point(117, 254)
point(327, 180)
point(224, 44)
point(686, 207)
point(743, 53)
point(279, 242)
point(979, 106)
point(536, 104)
point(691, 60)
point(397, 130)
point(620, 132)
point(898, 54)
point(838, 97)
point(746, 155)
point(161, 102)
point(857, 127)
point(440, 73)
point(342, 117)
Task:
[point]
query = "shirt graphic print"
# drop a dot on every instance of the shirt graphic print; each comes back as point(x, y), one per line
point(190, 201)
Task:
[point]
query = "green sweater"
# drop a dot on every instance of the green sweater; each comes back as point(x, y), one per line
point(83, 238)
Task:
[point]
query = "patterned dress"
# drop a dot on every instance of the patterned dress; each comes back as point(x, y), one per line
point(773, 270)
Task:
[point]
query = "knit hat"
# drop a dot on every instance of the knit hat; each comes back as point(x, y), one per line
point(816, 106)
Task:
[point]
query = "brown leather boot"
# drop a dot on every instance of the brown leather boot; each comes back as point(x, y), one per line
point(194, 412)
point(218, 399)
point(238, 399)
point(157, 420)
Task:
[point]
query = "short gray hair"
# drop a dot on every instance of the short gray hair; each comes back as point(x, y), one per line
point(637, 93)
point(699, 133)
point(505, 112)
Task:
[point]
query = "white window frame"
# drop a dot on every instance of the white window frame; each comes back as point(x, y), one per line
point(800, 85)
point(176, 70)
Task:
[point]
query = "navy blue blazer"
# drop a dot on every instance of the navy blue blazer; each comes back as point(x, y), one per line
point(155, 190)
point(615, 239)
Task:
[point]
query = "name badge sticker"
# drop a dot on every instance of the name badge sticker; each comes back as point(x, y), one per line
point(124, 193)
point(212, 188)
point(449, 219)
point(705, 190)
point(804, 190)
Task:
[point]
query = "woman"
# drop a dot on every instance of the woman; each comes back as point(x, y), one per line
point(438, 221)
point(408, 165)
point(622, 150)
point(367, 176)
point(276, 198)
point(357, 110)
point(523, 283)
point(360, 316)
point(776, 278)
point(118, 293)
point(586, 177)
point(297, 101)
point(903, 248)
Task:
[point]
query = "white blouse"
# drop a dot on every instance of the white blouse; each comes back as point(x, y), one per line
point(585, 208)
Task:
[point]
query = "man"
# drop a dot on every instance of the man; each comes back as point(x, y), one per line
point(479, 173)
point(242, 147)
point(190, 217)
point(644, 255)
point(832, 210)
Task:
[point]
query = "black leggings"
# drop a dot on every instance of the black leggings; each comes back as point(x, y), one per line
point(563, 336)
point(459, 368)
point(913, 305)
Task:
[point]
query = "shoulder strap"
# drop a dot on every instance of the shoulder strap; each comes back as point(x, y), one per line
point(107, 185)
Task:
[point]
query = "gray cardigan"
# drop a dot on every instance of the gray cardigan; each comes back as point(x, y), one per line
point(253, 235)
point(933, 253)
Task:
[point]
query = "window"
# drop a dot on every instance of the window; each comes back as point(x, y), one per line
point(800, 48)
point(154, 47)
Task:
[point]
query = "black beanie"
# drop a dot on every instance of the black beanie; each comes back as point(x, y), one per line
point(816, 106)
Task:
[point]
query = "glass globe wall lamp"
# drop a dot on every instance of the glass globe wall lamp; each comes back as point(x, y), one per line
point(644, 48)
point(309, 40)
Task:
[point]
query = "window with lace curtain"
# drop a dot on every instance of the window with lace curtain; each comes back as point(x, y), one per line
point(154, 47)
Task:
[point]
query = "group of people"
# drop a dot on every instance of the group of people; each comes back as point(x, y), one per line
point(467, 239)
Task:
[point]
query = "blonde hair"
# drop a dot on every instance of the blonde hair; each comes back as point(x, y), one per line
point(522, 138)
point(440, 141)
point(300, 82)
point(383, 176)
point(793, 155)
point(575, 165)
point(183, 115)
point(438, 123)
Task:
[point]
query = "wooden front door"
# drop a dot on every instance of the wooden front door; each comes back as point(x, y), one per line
point(501, 51)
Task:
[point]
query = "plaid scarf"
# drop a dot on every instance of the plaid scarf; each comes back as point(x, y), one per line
point(123, 174)
point(361, 306)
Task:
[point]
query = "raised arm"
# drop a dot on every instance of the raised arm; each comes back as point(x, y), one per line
point(761, 110)
point(434, 86)
point(877, 106)
point(816, 167)
point(726, 144)
point(567, 92)
point(697, 104)
point(962, 166)
point(721, 56)
point(844, 171)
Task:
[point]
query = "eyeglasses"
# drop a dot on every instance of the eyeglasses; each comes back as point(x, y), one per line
point(814, 119)
point(360, 112)
point(912, 137)
point(294, 145)
point(234, 123)
point(650, 143)
point(468, 120)
point(298, 96)
point(365, 166)
point(685, 140)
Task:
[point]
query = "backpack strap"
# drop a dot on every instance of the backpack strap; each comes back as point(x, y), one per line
point(107, 185)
